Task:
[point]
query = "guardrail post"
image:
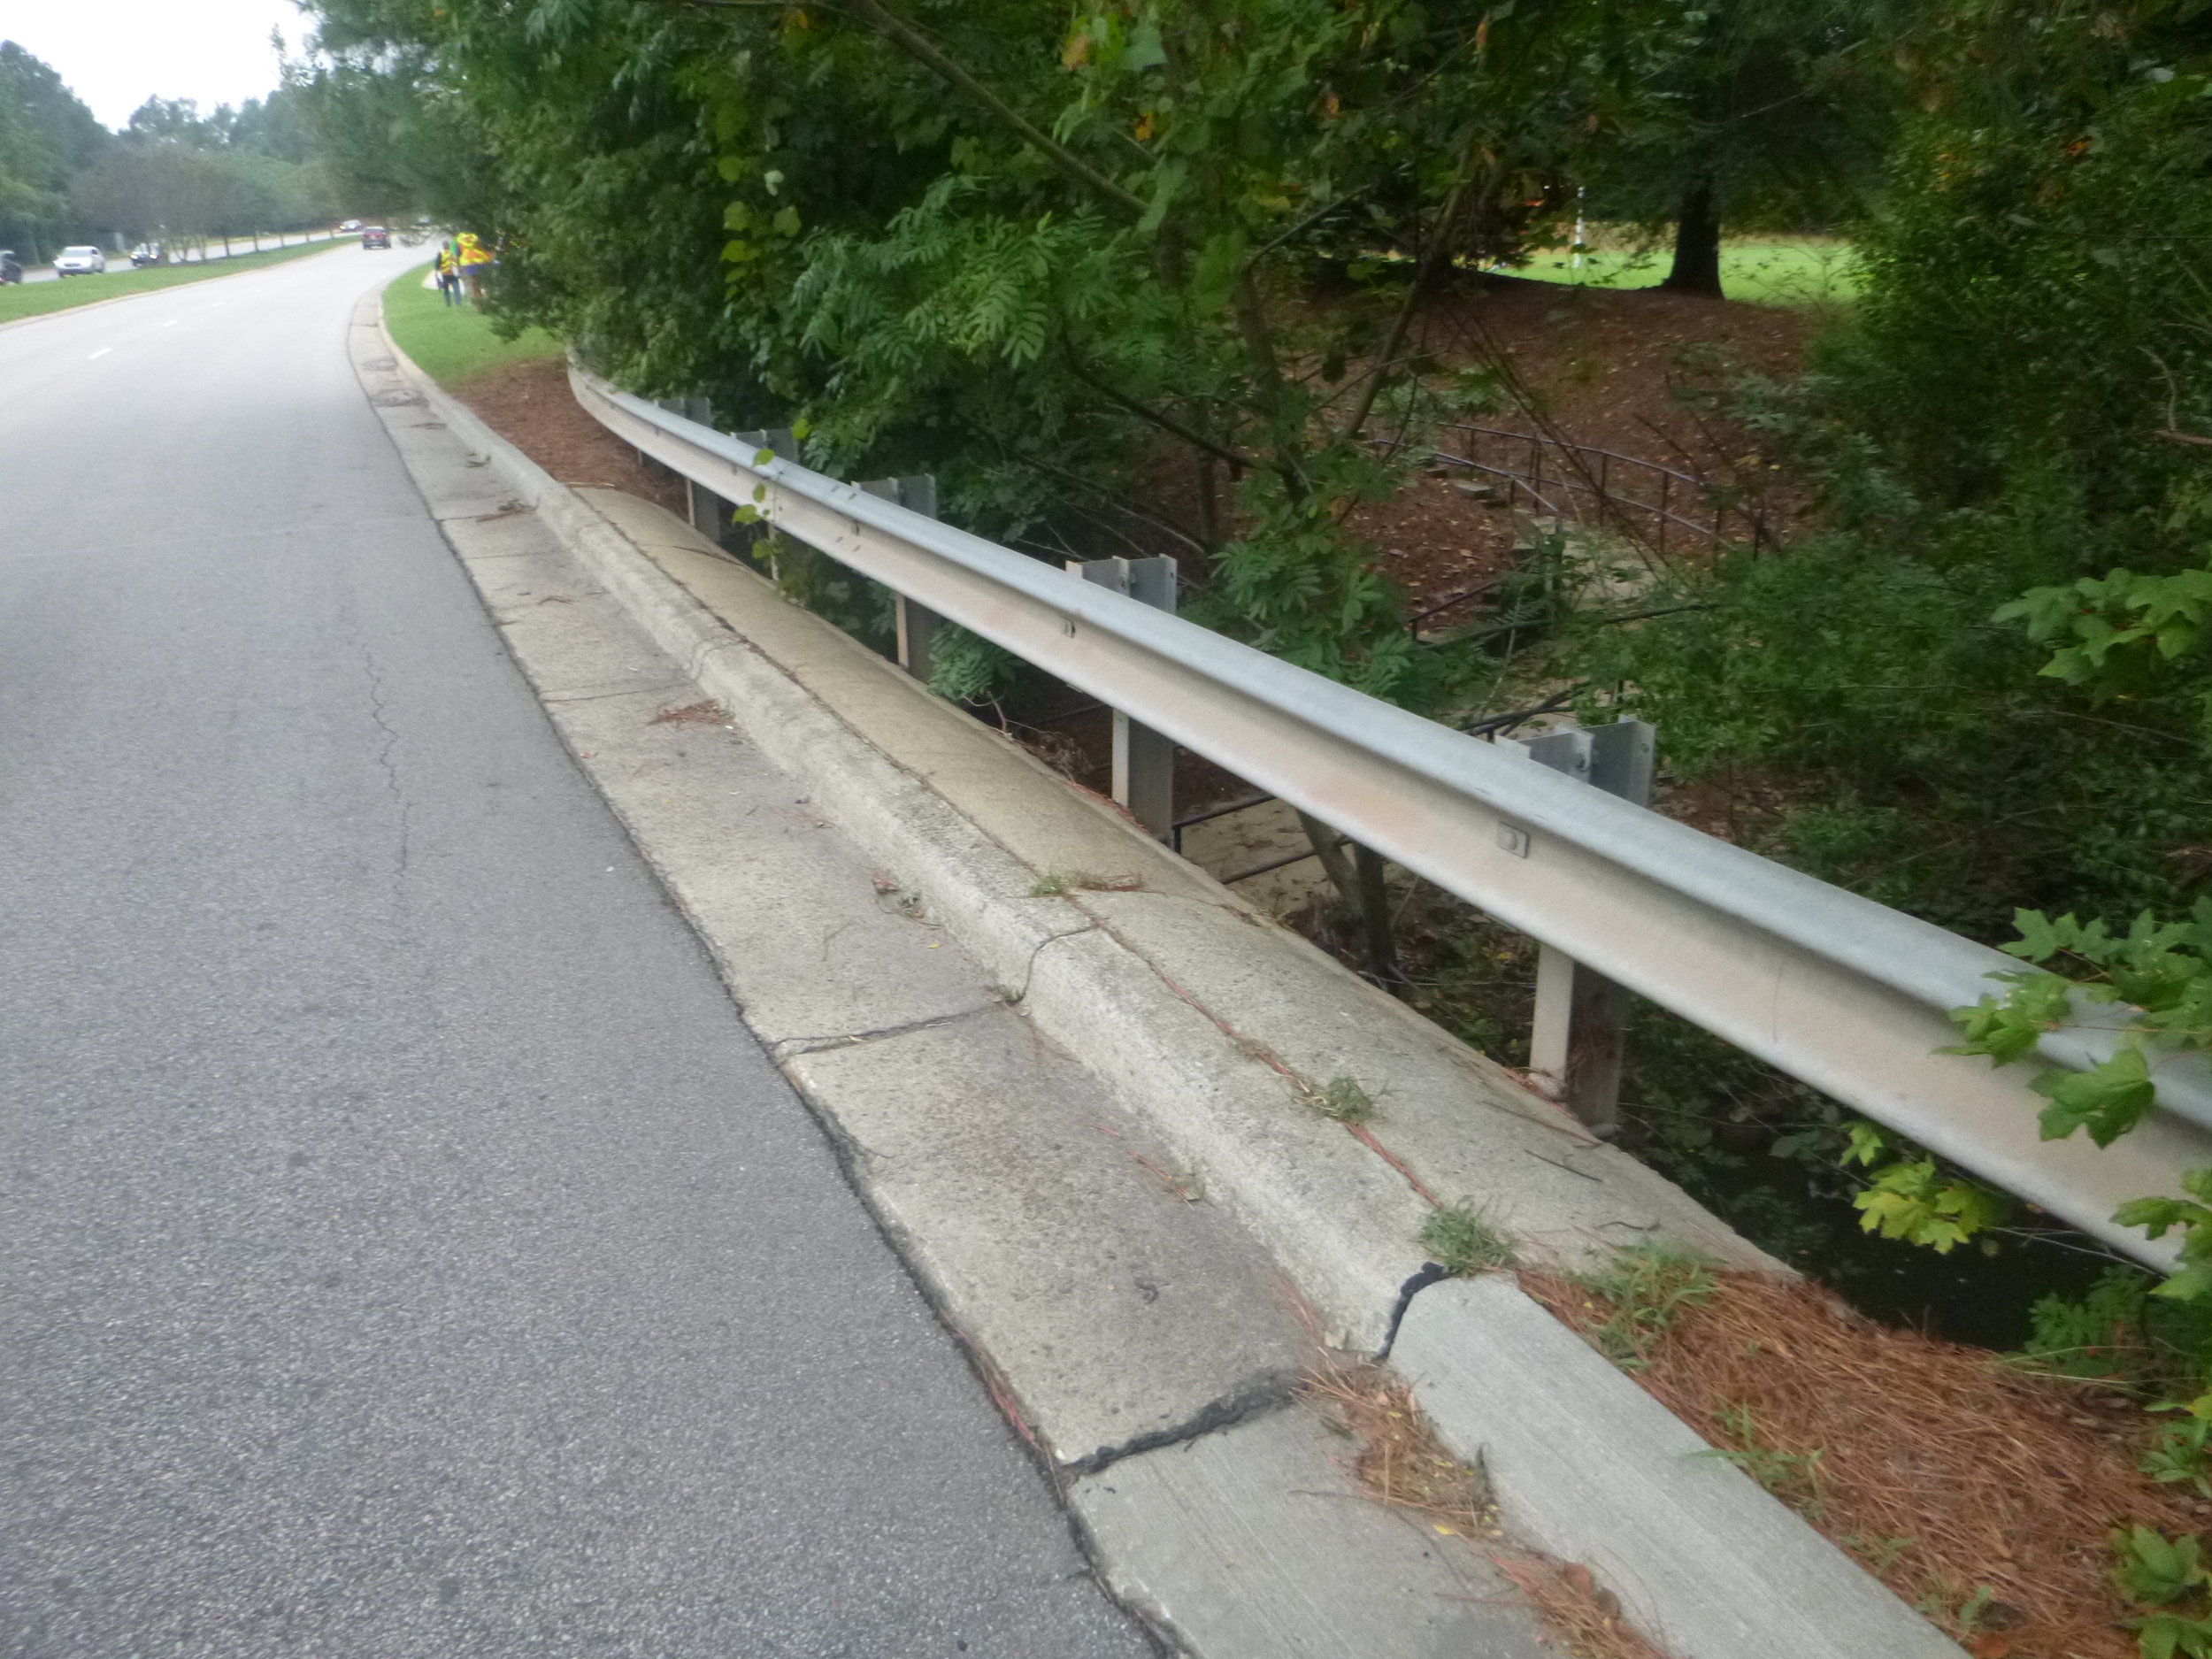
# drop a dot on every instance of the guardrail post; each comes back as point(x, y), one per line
point(1577, 1050)
point(1144, 761)
point(709, 514)
point(918, 624)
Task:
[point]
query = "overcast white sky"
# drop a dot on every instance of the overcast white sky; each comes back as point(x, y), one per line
point(116, 54)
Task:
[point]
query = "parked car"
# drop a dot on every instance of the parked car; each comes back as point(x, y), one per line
point(350, 223)
point(144, 255)
point(86, 261)
point(375, 236)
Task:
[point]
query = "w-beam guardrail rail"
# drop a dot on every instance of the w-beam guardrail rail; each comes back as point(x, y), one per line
point(1841, 993)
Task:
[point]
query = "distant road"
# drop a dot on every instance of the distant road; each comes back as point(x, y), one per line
point(122, 262)
point(407, 1252)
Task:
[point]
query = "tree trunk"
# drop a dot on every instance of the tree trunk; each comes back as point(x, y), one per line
point(1697, 243)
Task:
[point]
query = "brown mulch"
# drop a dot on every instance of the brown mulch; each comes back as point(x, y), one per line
point(529, 405)
point(1617, 370)
point(1614, 370)
point(1945, 1472)
point(1608, 364)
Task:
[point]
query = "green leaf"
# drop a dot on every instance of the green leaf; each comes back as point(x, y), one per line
point(2108, 1102)
point(1868, 1143)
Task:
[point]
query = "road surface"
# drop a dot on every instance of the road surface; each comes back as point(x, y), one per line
point(406, 1250)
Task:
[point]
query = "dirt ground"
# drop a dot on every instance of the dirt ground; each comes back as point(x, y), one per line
point(1619, 370)
point(529, 406)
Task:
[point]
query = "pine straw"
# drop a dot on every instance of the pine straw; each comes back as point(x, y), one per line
point(1403, 1464)
point(1950, 1474)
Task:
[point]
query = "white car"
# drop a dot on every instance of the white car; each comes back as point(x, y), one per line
point(350, 223)
point(80, 262)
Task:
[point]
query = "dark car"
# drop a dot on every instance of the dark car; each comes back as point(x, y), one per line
point(376, 236)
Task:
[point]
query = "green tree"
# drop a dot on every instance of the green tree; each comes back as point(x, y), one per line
point(1773, 114)
point(2012, 411)
point(1048, 255)
point(47, 137)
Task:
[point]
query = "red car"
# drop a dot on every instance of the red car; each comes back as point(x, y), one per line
point(376, 236)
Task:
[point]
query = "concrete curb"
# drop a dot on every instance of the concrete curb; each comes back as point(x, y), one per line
point(1216, 1025)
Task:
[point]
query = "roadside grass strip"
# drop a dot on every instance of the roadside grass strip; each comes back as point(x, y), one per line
point(36, 299)
point(453, 344)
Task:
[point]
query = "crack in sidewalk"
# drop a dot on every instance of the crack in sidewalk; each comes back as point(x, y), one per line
point(1270, 1390)
point(791, 1048)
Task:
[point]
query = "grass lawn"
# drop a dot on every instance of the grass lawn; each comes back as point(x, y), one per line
point(1780, 270)
point(35, 299)
point(453, 344)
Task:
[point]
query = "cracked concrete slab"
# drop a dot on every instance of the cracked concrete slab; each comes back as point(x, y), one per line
point(1037, 1208)
point(1122, 1308)
point(1257, 1543)
point(810, 941)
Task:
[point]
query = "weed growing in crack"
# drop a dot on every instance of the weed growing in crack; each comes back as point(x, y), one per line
point(1056, 884)
point(1463, 1243)
point(1343, 1099)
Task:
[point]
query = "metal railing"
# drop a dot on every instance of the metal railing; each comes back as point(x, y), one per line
point(1845, 995)
point(1558, 479)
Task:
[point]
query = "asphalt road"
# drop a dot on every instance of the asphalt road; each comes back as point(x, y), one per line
point(405, 1248)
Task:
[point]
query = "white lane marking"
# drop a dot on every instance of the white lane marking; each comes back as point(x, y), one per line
point(102, 352)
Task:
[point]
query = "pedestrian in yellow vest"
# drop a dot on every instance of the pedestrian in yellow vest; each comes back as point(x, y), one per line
point(474, 258)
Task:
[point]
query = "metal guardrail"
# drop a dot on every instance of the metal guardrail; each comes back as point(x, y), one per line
point(1843, 993)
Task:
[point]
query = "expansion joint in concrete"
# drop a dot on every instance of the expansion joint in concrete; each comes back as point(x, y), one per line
point(1255, 1397)
point(1430, 1273)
